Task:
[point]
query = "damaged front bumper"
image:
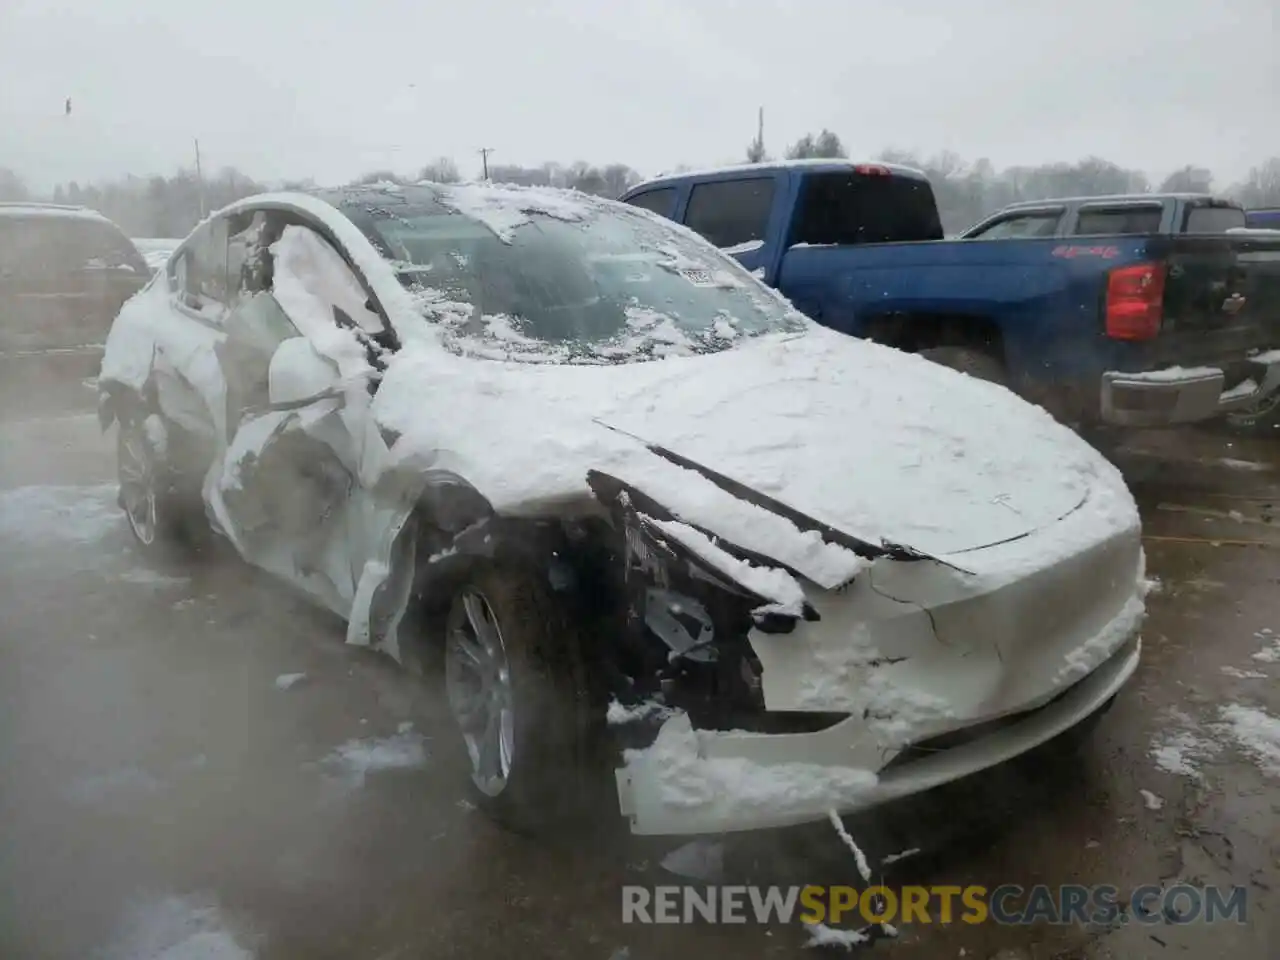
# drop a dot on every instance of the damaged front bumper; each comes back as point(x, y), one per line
point(922, 672)
point(694, 782)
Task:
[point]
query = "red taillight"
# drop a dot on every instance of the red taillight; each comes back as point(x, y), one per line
point(1135, 301)
point(871, 169)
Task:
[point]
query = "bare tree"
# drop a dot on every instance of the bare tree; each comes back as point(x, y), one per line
point(12, 186)
point(1188, 179)
point(440, 170)
point(825, 144)
point(1261, 188)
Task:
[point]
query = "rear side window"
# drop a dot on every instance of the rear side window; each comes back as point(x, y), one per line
point(732, 211)
point(850, 208)
point(1119, 221)
point(1043, 223)
point(49, 246)
point(661, 202)
point(1212, 218)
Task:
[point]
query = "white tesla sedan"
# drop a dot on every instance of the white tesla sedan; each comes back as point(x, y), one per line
point(632, 513)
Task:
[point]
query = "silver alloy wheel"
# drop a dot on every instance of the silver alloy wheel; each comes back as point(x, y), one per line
point(478, 686)
point(137, 470)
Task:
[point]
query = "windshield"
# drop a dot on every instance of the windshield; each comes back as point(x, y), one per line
point(612, 286)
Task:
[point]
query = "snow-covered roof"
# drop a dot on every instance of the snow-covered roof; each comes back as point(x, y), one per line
point(818, 164)
point(28, 209)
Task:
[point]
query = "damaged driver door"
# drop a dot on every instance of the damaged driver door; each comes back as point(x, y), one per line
point(298, 362)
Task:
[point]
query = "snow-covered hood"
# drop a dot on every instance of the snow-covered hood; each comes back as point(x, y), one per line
point(871, 441)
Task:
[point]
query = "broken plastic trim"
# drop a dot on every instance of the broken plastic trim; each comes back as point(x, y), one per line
point(637, 511)
point(887, 549)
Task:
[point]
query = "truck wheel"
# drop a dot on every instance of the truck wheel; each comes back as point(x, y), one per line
point(971, 360)
point(516, 688)
point(1261, 420)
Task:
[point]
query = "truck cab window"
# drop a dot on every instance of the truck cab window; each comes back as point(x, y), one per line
point(853, 207)
point(1119, 221)
point(1212, 218)
point(732, 211)
point(1039, 224)
point(661, 202)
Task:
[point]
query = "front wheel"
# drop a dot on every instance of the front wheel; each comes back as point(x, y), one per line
point(147, 495)
point(516, 689)
point(1260, 420)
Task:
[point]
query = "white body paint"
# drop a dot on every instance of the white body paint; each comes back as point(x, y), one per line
point(1036, 606)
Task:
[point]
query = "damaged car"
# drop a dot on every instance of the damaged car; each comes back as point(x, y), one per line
point(642, 525)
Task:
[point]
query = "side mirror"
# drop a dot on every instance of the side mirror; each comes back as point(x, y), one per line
point(298, 375)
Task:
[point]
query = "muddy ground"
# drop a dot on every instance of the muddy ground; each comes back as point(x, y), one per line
point(167, 789)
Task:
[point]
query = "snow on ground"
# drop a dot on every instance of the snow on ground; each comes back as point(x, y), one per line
point(1151, 801)
point(72, 514)
point(356, 759)
point(176, 928)
point(1182, 747)
point(152, 578)
point(287, 680)
point(1257, 733)
point(1271, 652)
point(1243, 674)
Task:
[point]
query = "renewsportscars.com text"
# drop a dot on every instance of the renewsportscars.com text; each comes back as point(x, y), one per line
point(1009, 904)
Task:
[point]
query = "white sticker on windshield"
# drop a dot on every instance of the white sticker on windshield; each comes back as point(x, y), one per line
point(699, 278)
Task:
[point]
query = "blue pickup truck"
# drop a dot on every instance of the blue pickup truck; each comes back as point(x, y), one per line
point(1136, 311)
point(1263, 219)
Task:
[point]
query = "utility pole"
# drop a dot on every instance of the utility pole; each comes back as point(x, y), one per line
point(760, 129)
point(200, 180)
point(484, 159)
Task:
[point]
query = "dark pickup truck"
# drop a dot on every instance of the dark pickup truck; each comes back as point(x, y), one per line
point(1135, 310)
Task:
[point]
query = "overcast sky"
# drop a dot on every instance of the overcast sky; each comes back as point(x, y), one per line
point(331, 88)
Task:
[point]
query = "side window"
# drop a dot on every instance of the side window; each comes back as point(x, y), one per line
point(1119, 221)
point(199, 274)
point(661, 202)
point(732, 211)
point(1022, 225)
point(103, 247)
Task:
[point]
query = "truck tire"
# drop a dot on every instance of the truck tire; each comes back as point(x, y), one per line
point(973, 361)
point(1262, 420)
point(516, 688)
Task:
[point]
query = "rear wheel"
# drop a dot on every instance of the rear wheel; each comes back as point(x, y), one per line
point(970, 360)
point(516, 689)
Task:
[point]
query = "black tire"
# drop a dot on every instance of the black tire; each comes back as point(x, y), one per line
point(152, 494)
point(1262, 420)
point(973, 361)
point(551, 781)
